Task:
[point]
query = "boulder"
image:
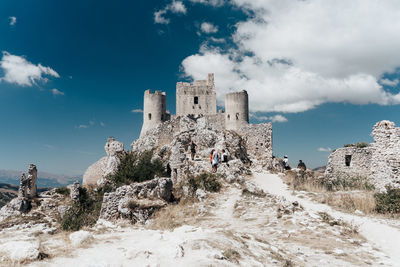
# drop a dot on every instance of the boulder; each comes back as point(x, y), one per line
point(105, 166)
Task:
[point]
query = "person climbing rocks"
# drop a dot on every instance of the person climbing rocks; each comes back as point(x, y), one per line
point(215, 160)
point(193, 149)
point(225, 157)
point(301, 165)
point(285, 162)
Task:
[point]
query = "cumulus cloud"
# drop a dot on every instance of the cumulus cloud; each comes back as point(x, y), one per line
point(137, 110)
point(22, 72)
point(56, 92)
point(324, 149)
point(292, 56)
point(176, 7)
point(13, 20)
point(275, 118)
point(388, 82)
point(208, 27)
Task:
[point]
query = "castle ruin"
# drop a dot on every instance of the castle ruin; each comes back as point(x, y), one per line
point(379, 161)
point(197, 99)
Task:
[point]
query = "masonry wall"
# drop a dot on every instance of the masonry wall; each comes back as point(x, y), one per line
point(236, 110)
point(258, 138)
point(380, 161)
point(360, 162)
point(198, 98)
point(154, 110)
point(385, 164)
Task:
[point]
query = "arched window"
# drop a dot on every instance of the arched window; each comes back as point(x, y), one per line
point(196, 100)
point(149, 116)
point(237, 116)
point(229, 117)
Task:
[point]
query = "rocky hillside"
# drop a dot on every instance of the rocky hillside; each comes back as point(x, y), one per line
point(7, 192)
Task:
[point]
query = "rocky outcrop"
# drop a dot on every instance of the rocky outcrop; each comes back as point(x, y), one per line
point(74, 191)
point(136, 202)
point(105, 166)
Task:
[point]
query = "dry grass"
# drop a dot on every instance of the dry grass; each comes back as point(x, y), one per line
point(173, 216)
point(349, 201)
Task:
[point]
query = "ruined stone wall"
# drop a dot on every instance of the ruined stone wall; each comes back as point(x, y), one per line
point(236, 110)
point(258, 138)
point(385, 164)
point(380, 161)
point(154, 110)
point(198, 98)
point(359, 164)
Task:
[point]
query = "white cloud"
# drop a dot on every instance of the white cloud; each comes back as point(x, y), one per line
point(159, 17)
point(389, 82)
point(324, 149)
point(209, 2)
point(56, 92)
point(137, 110)
point(82, 126)
point(22, 72)
point(102, 124)
point(275, 118)
point(292, 56)
point(13, 20)
point(177, 7)
point(174, 7)
point(208, 27)
point(278, 118)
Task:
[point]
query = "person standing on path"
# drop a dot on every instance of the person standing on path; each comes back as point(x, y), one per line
point(192, 149)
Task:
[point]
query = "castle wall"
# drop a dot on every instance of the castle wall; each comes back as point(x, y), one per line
point(380, 161)
point(198, 98)
point(258, 138)
point(154, 110)
point(236, 110)
point(358, 162)
point(385, 164)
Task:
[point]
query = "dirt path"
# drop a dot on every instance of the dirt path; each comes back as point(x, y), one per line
point(381, 235)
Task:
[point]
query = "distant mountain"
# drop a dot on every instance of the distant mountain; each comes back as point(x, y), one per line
point(45, 179)
point(320, 169)
point(7, 192)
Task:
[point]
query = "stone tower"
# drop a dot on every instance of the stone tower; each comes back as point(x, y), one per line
point(236, 110)
point(198, 98)
point(154, 110)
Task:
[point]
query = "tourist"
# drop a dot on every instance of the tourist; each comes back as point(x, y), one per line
point(192, 149)
point(285, 162)
point(301, 165)
point(215, 160)
point(225, 157)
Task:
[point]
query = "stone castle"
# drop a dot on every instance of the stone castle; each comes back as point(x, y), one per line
point(196, 99)
point(379, 161)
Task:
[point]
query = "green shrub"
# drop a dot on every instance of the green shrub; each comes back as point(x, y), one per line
point(63, 191)
point(388, 202)
point(361, 144)
point(136, 167)
point(206, 181)
point(84, 212)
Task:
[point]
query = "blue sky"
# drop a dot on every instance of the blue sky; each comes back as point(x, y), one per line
point(328, 86)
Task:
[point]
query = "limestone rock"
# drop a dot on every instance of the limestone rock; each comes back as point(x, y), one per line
point(136, 202)
point(80, 238)
point(74, 191)
point(20, 251)
point(106, 165)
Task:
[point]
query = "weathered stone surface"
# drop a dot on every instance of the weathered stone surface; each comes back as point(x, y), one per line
point(80, 238)
point(380, 161)
point(106, 165)
point(31, 191)
point(74, 191)
point(136, 202)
